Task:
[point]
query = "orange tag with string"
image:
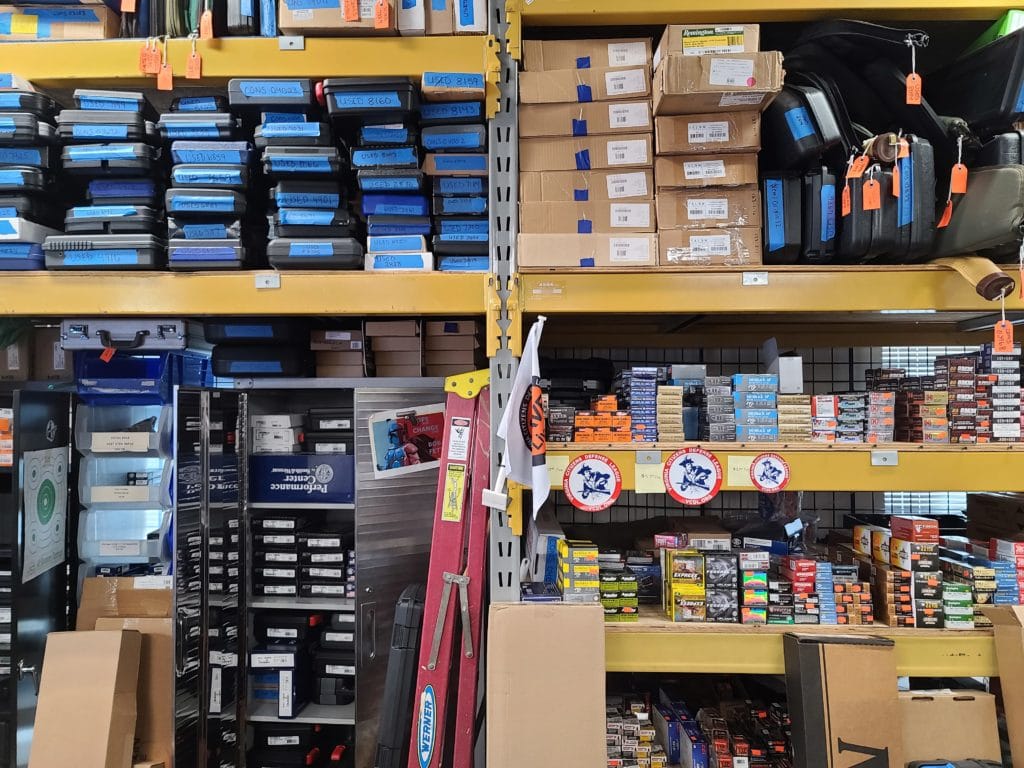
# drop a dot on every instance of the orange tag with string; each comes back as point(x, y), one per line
point(958, 179)
point(913, 88)
point(872, 195)
point(858, 167)
point(382, 14)
point(153, 62)
point(351, 10)
point(206, 25)
point(1003, 341)
point(846, 205)
point(947, 215)
point(165, 78)
point(904, 150)
point(896, 180)
point(107, 354)
point(144, 58)
point(194, 66)
point(127, 6)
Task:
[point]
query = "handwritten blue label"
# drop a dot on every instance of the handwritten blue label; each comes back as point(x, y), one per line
point(214, 156)
point(384, 244)
point(246, 8)
point(98, 103)
point(271, 89)
point(103, 211)
point(283, 117)
point(455, 140)
point(376, 134)
point(305, 216)
point(457, 186)
point(453, 110)
point(395, 205)
point(103, 257)
point(389, 183)
point(198, 103)
point(905, 211)
point(10, 101)
point(310, 249)
point(298, 164)
point(63, 15)
point(191, 130)
point(100, 188)
point(377, 157)
point(464, 264)
point(397, 260)
point(460, 162)
point(101, 152)
point(463, 226)
point(8, 213)
point(464, 237)
point(456, 80)
point(828, 212)
point(464, 205)
point(99, 131)
point(800, 124)
point(367, 100)
point(776, 214)
point(205, 231)
point(377, 229)
point(467, 13)
point(12, 177)
point(280, 130)
point(183, 174)
point(205, 253)
point(307, 200)
point(200, 203)
point(20, 250)
point(21, 156)
point(311, 5)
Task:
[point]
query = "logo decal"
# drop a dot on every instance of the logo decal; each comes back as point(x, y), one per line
point(692, 476)
point(51, 430)
point(769, 473)
point(323, 473)
point(592, 482)
point(425, 727)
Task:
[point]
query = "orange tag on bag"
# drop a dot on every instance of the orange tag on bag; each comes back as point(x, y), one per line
point(858, 167)
point(1003, 342)
point(194, 66)
point(127, 6)
point(847, 206)
point(896, 180)
point(153, 62)
point(165, 78)
point(904, 150)
point(382, 14)
point(913, 88)
point(958, 179)
point(351, 10)
point(107, 354)
point(206, 25)
point(872, 195)
point(947, 215)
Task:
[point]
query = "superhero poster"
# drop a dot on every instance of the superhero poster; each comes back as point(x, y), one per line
point(407, 440)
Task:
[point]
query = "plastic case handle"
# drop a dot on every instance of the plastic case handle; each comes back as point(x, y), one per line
point(108, 341)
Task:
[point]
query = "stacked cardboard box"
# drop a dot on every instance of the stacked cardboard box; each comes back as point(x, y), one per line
point(277, 433)
point(586, 155)
point(824, 419)
point(670, 414)
point(719, 412)
point(603, 423)
point(619, 596)
point(958, 374)
point(453, 347)
point(801, 572)
point(397, 346)
point(914, 549)
point(561, 421)
point(721, 576)
point(631, 733)
point(824, 586)
point(339, 353)
point(794, 418)
point(780, 600)
point(1011, 552)
point(980, 579)
point(753, 592)
point(852, 596)
point(922, 416)
point(578, 571)
point(755, 421)
point(684, 594)
point(710, 85)
point(638, 390)
point(1003, 419)
point(692, 379)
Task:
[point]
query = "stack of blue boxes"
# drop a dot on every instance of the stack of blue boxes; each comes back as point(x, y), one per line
point(825, 586)
point(757, 414)
point(1007, 591)
point(637, 388)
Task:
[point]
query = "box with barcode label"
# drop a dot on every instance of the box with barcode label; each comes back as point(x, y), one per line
point(541, 55)
point(593, 119)
point(312, 17)
point(701, 134)
point(584, 85)
point(740, 246)
point(16, 360)
point(55, 22)
point(693, 171)
point(587, 153)
point(711, 207)
point(584, 186)
point(704, 39)
point(569, 252)
point(586, 218)
point(735, 82)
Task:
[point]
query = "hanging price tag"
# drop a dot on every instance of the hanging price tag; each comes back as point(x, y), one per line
point(958, 179)
point(144, 58)
point(1003, 342)
point(858, 167)
point(872, 195)
point(947, 215)
point(153, 61)
point(351, 10)
point(382, 14)
point(165, 78)
point(194, 66)
point(206, 25)
point(107, 354)
point(896, 180)
point(127, 6)
point(847, 206)
point(913, 88)
point(904, 150)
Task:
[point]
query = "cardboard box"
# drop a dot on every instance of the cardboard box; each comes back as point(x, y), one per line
point(300, 17)
point(155, 700)
point(396, 344)
point(850, 683)
point(704, 39)
point(47, 22)
point(141, 597)
point(436, 370)
point(543, 55)
point(593, 119)
point(915, 528)
point(473, 358)
point(586, 218)
point(49, 361)
point(323, 339)
point(695, 171)
point(705, 208)
point(412, 18)
point(737, 82)
point(1008, 627)
point(573, 86)
point(398, 371)
point(470, 17)
point(453, 327)
point(595, 186)
point(714, 133)
point(16, 360)
point(440, 17)
point(455, 343)
point(586, 153)
point(352, 357)
point(86, 710)
point(391, 328)
point(406, 357)
point(568, 251)
point(340, 371)
point(524, 667)
point(951, 725)
point(709, 247)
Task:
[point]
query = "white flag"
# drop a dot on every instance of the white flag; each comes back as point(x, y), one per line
point(523, 425)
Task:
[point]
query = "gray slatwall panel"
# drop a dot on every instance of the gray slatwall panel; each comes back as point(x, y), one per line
point(394, 521)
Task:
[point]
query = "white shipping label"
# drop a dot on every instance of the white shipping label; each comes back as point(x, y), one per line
point(279, 589)
point(707, 132)
point(114, 493)
point(627, 185)
point(325, 573)
point(337, 669)
point(627, 152)
point(331, 448)
point(282, 741)
point(339, 637)
point(267, 660)
point(13, 358)
point(327, 589)
point(120, 548)
point(710, 245)
point(153, 582)
point(337, 335)
point(627, 54)
point(734, 73)
point(120, 442)
point(629, 115)
point(707, 208)
point(704, 169)
point(284, 525)
point(285, 682)
point(58, 357)
point(629, 250)
point(323, 543)
point(215, 686)
point(625, 81)
point(636, 215)
point(329, 424)
point(302, 14)
point(282, 632)
point(277, 539)
point(279, 573)
point(282, 557)
point(327, 557)
point(741, 99)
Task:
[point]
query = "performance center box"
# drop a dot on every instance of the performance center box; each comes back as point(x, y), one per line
point(299, 479)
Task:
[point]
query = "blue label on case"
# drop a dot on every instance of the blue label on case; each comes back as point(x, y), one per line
point(375, 134)
point(7, 125)
point(467, 13)
point(464, 264)
point(6, 80)
point(21, 156)
point(457, 186)
point(454, 140)
point(311, 5)
point(62, 15)
point(19, 250)
point(375, 157)
point(191, 130)
point(99, 131)
point(97, 103)
point(12, 177)
point(182, 174)
point(273, 89)
point(389, 184)
point(255, 366)
point(828, 212)
point(103, 211)
point(579, 127)
point(383, 261)
point(581, 195)
point(452, 110)
point(583, 160)
point(10, 101)
point(205, 231)
point(800, 124)
point(412, 243)
point(269, 118)
point(460, 162)
point(464, 205)
point(367, 100)
point(8, 213)
point(201, 203)
point(283, 130)
point(101, 152)
point(582, 62)
point(310, 249)
point(465, 237)
point(583, 93)
point(299, 164)
point(395, 228)
point(213, 156)
point(300, 216)
point(198, 103)
point(191, 253)
point(464, 227)
point(99, 188)
point(457, 80)
point(396, 209)
point(905, 211)
point(104, 257)
point(307, 200)
point(6, 227)
point(234, 331)
point(776, 214)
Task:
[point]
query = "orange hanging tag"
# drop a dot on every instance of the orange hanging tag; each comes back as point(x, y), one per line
point(1003, 342)
point(896, 180)
point(153, 61)
point(127, 6)
point(107, 354)
point(913, 88)
point(872, 195)
point(858, 167)
point(165, 79)
point(351, 10)
point(947, 215)
point(847, 206)
point(958, 179)
point(904, 150)
point(194, 66)
point(144, 58)
point(382, 14)
point(206, 25)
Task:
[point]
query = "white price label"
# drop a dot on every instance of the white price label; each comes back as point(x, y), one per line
point(282, 525)
point(704, 169)
point(325, 573)
point(630, 115)
point(627, 54)
point(734, 73)
point(279, 573)
point(153, 582)
point(626, 81)
point(13, 358)
point(337, 669)
point(627, 185)
point(269, 660)
point(282, 741)
point(633, 152)
point(215, 693)
point(704, 208)
point(323, 543)
point(275, 539)
point(285, 682)
point(710, 245)
point(339, 637)
point(629, 250)
point(327, 557)
point(329, 424)
point(707, 132)
point(120, 548)
point(331, 448)
point(282, 632)
point(282, 557)
point(632, 215)
point(338, 335)
point(279, 589)
point(120, 442)
point(327, 589)
point(117, 493)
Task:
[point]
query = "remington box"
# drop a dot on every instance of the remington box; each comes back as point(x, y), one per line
point(704, 39)
point(913, 555)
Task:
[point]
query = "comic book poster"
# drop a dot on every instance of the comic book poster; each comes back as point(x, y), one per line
point(407, 440)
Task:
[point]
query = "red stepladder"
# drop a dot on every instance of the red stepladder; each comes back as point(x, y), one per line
point(455, 583)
